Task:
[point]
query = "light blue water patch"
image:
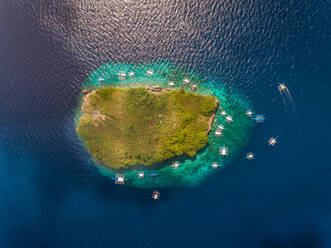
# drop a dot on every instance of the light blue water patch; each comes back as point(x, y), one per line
point(191, 171)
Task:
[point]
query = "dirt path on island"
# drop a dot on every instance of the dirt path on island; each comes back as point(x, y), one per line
point(96, 115)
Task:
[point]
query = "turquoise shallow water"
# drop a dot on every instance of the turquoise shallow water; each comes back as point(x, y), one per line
point(191, 171)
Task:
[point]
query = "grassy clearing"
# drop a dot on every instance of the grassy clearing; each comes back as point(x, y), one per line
point(122, 127)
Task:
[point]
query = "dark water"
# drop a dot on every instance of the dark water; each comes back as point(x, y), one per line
point(51, 197)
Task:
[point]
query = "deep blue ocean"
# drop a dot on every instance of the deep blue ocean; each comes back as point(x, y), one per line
point(51, 195)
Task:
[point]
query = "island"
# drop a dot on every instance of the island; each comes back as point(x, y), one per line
point(159, 125)
point(123, 127)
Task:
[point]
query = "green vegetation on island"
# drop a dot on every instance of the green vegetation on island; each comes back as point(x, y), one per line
point(123, 127)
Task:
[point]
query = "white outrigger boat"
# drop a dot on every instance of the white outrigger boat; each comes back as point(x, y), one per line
point(215, 165)
point(218, 133)
point(250, 156)
point(156, 195)
point(175, 165)
point(121, 76)
point(223, 151)
point(150, 73)
point(281, 87)
point(272, 141)
point(229, 119)
point(131, 74)
point(186, 81)
point(220, 127)
point(141, 174)
point(249, 113)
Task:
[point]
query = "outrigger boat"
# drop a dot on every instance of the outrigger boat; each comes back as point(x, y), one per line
point(223, 151)
point(156, 195)
point(272, 141)
point(250, 156)
point(281, 87)
point(215, 165)
point(175, 165)
point(141, 174)
point(229, 119)
point(249, 113)
point(119, 179)
point(150, 73)
point(259, 118)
